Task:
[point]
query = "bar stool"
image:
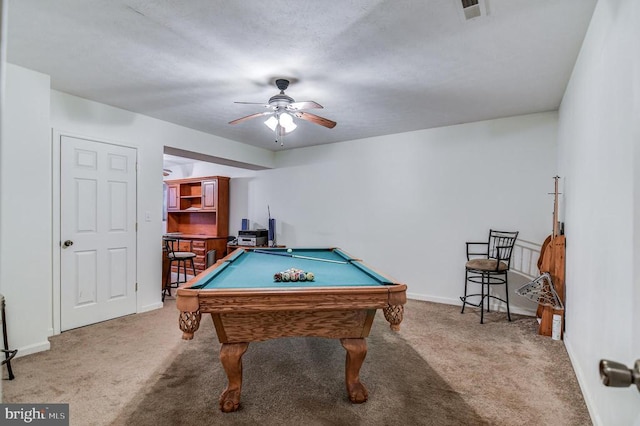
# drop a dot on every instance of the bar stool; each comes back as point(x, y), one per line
point(8, 353)
point(488, 264)
point(181, 258)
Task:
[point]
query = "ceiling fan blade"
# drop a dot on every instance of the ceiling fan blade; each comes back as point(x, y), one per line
point(256, 103)
point(249, 117)
point(316, 119)
point(303, 105)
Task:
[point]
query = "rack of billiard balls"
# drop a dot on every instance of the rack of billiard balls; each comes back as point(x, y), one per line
point(293, 274)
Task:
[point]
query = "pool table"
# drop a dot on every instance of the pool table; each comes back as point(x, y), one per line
point(247, 305)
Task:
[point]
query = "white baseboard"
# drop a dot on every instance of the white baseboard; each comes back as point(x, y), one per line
point(457, 302)
point(151, 307)
point(588, 400)
point(435, 299)
point(32, 349)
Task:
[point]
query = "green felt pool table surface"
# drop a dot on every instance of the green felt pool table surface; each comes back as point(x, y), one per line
point(247, 268)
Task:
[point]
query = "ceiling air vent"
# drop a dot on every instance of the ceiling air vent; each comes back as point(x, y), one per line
point(472, 8)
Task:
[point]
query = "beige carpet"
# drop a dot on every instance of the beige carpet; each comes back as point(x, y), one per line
point(442, 368)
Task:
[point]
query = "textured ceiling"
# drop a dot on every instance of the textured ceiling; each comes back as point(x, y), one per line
point(377, 67)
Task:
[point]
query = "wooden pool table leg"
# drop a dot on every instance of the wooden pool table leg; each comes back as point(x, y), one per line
point(356, 352)
point(231, 358)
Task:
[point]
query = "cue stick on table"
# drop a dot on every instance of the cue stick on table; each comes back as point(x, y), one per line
point(300, 257)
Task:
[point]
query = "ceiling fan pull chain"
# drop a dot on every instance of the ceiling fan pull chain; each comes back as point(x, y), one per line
point(280, 134)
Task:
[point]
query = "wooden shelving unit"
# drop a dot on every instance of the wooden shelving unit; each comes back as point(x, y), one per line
point(199, 206)
point(198, 210)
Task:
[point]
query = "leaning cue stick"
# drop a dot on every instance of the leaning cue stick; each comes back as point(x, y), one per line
point(555, 232)
point(299, 257)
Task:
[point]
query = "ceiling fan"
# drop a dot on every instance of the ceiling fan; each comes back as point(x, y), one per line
point(282, 109)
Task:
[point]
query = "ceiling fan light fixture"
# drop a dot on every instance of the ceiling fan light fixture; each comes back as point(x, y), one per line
point(271, 123)
point(285, 120)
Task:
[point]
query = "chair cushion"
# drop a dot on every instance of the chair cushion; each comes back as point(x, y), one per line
point(182, 255)
point(485, 265)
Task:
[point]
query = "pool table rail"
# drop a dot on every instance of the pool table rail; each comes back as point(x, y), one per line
point(192, 302)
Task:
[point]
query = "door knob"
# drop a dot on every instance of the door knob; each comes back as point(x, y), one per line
point(67, 243)
point(618, 375)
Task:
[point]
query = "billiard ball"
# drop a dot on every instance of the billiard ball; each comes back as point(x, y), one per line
point(289, 250)
point(310, 276)
point(285, 276)
point(302, 276)
point(277, 277)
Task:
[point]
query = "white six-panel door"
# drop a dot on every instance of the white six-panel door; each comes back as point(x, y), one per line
point(97, 231)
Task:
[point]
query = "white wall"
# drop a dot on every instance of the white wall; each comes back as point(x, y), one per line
point(3, 49)
point(406, 203)
point(599, 138)
point(79, 116)
point(25, 269)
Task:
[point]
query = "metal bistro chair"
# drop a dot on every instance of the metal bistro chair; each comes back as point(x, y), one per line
point(181, 258)
point(488, 264)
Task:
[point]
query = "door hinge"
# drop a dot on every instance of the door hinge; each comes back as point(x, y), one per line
point(136, 226)
point(136, 286)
